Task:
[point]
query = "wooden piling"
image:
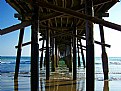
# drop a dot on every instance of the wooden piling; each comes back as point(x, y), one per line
point(79, 64)
point(82, 53)
point(53, 55)
point(74, 54)
point(89, 48)
point(35, 50)
point(70, 61)
point(47, 54)
point(106, 85)
point(104, 54)
point(41, 58)
point(56, 54)
point(16, 85)
point(19, 53)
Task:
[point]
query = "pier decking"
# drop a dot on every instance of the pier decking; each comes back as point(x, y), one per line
point(62, 24)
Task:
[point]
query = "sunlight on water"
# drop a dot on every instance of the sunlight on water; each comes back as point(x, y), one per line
point(61, 79)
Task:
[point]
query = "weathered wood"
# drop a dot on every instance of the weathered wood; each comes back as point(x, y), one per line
point(82, 53)
point(15, 27)
point(106, 86)
point(70, 61)
point(35, 50)
point(16, 88)
point(79, 63)
point(53, 60)
point(27, 43)
point(79, 15)
point(24, 44)
point(56, 53)
point(55, 14)
point(80, 45)
point(78, 36)
point(41, 58)
point(104, 54)
point(47, 54)
point(19, 53)
point(74, 53)
point(89, 48)
point(81, 7)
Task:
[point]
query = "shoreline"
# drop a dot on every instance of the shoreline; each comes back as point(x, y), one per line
point(58, 84)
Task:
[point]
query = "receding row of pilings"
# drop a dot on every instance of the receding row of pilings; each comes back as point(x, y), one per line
point(35, 59)
point(89, 52)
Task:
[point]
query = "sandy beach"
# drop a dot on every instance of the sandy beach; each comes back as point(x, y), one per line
point(61, 79)
point(58, 82)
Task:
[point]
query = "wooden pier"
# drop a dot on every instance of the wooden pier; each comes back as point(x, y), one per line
point(62, 24)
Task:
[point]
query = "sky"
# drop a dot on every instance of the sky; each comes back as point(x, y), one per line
point(10, 40)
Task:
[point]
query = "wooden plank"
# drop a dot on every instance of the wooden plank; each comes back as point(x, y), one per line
point(15, 27)
point(79, 15)
point(70, 34)
point(27, 43)
point(58, 14)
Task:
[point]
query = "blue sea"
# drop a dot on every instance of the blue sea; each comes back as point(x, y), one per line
point(7, 64)
point(7, 67)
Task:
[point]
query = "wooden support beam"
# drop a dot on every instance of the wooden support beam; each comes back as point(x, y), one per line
point(74, 52)
point(47, 54)
point(53, 61)
point(24, 44)
point(90, 78)
point(35, 50)
point(16, 85)
point(41, 58)
point(81, 45)
point(70, 62)
point(106, 86)
point(81, 7)
point(15, 27)
point(44, 48)
point(56, 53)
point(82, 53)
point(19, 53)
point(79, 15)
point(70, 34)
point(79, 63)
point(104, 54)
point(27, 43)
point(61, 11)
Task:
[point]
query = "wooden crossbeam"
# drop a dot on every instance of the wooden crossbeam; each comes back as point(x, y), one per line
point(70, 34)
point(79, 15)
point(57, 14)
point(27, 43)
point(24, 44)
point(15, 27)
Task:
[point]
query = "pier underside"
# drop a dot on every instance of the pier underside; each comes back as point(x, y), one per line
point(62, 25)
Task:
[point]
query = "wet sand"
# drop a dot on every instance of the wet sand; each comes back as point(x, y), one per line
point(59, 81)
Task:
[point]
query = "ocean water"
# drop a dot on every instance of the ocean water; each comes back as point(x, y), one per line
point(7, 67)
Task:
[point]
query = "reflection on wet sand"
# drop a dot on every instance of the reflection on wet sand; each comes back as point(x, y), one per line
point(62, 85)
point(61, 80)
point(106, 85)
point(65, 85)
point(15, 84)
